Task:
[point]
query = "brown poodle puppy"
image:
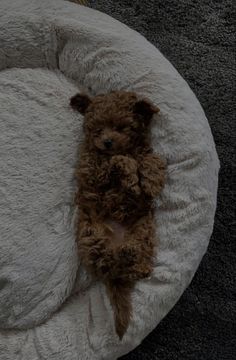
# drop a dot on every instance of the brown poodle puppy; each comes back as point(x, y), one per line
point(118, 178)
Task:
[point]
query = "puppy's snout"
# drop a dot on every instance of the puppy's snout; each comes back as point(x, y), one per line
point(108, 143)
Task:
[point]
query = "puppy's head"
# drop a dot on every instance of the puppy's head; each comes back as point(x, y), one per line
point(116, 122)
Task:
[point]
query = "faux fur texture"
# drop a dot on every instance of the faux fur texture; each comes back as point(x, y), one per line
point(39, 135)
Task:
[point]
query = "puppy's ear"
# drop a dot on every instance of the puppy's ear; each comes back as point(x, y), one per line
point(145, 109)
point(80, 102)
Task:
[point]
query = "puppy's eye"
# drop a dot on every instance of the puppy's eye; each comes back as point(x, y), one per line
point(134, 126)
point(97, 131)
point(121, 128)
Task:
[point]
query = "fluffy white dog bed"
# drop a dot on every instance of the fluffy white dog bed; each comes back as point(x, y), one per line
point(49, 50)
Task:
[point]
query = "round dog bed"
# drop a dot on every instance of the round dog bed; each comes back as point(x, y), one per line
point(49, 308)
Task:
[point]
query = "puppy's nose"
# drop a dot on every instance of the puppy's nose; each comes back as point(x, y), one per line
point(108, 143)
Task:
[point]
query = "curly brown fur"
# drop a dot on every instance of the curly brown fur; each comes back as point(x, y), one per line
point(118, 177)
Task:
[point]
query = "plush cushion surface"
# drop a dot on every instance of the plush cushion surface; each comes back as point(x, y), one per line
point(48, 51)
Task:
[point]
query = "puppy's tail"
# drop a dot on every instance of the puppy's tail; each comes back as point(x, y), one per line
point(119, 293)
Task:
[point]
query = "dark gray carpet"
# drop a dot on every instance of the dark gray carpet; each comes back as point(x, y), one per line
point(197, 36)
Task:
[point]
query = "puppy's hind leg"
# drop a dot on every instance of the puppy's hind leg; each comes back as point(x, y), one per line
point(152, 172)
point(137, 253)
point(94, 247)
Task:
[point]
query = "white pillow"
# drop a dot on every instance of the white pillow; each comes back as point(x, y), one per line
point(49, 51)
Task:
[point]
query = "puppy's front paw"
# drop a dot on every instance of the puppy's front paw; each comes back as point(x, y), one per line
point(152, 174)
point(126, 170)
point(133, 188)
point(124, 164)
point(152, 187)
